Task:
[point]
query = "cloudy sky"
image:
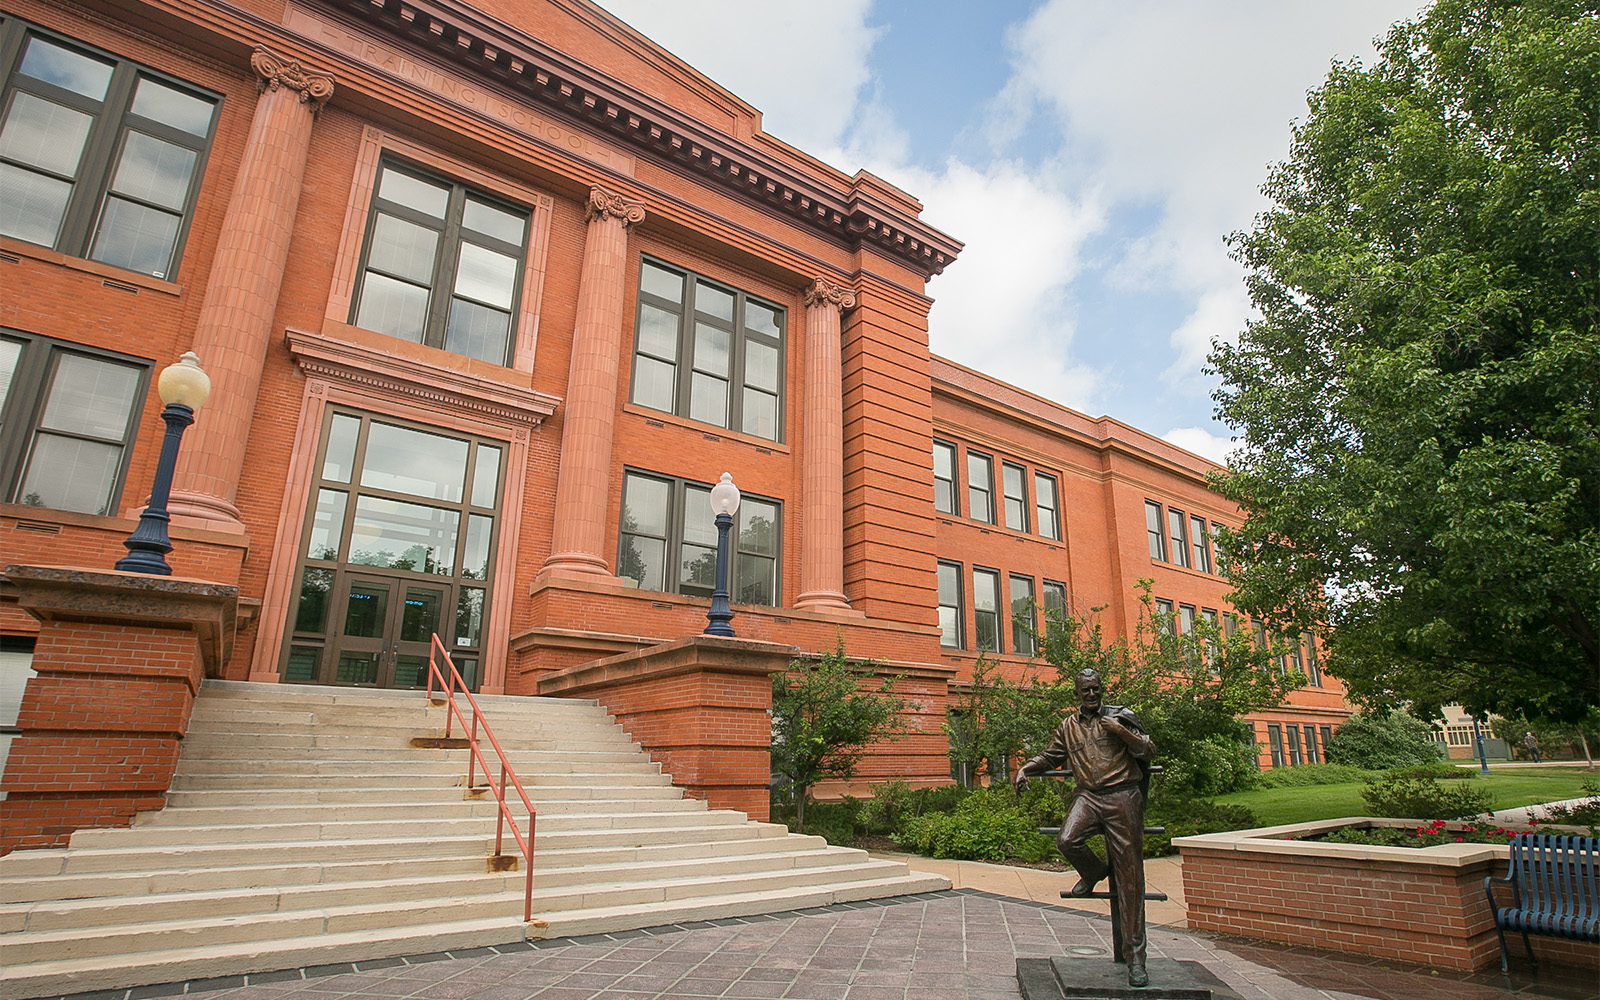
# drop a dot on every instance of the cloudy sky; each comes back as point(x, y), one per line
point(1092, 155)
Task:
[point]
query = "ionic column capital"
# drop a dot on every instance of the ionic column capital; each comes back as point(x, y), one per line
point(609, 204)
point(825, 292)
point(275, 71)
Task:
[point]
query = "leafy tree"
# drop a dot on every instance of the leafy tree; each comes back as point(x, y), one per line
point(1188, 690)
point(826, 713)
point(1419, 399)
point(1382, 740)
point(1583, 735)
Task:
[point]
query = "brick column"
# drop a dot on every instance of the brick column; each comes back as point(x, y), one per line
point(583, 484)
point(118, 661)
point(235, 321)
point(822, 457)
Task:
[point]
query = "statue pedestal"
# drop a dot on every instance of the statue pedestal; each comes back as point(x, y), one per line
point(1102, 979)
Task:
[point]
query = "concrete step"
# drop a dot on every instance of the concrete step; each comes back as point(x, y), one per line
point(353, 804)
point(440, 787)
point(378, 761)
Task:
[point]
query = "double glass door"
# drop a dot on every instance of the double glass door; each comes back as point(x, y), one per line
point(386, 633)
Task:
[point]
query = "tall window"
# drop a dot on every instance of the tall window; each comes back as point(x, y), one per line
point(99, 157)
point(668, 540)
point(944, 477)
point(950, 608)
point(1055, 603)
point(1327, 737)
point(1219, 560)
point(1013, 483)
point(1293, 732)
point(441, 265)
point(1180, 539)
point(1311, 744)
point(980, 487)
point(1164, 616)
point(1198, 536)
point(1154, 531)
point(708, 352)
point(1022, 615)
point(1046, 506)
point(67, 419)
point(1275, 743)
point(1296, 662)
point(986, 610)
point(398, 546)
point(1230, 624)
point(1213, 649)
point(1186, 619)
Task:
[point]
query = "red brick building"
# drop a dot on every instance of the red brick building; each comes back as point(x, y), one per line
point(490, 295)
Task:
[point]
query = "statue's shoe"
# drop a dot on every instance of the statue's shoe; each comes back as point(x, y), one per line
point(1088, 880)
point(1137, 976)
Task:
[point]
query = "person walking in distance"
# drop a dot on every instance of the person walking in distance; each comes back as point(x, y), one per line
point(1109, 755)
point(1532, 743)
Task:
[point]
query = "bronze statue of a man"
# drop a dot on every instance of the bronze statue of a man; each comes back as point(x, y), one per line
point(1109, 755)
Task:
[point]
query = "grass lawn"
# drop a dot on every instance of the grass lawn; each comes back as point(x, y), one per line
point(1510, 788)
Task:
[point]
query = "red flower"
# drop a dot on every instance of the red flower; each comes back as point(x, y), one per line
point(1458, 840)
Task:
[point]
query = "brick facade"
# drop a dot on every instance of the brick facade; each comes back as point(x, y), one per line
point(616, 151)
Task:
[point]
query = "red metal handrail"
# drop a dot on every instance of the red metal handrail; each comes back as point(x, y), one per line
point(476, 759)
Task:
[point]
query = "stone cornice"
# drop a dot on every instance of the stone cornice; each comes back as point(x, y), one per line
point(346, 361)
point(474, 43)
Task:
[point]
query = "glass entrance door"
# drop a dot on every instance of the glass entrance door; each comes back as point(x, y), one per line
point(386, 633)
point(398, 545)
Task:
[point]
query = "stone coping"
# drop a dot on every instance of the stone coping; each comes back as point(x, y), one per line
point(1280, 840)
point(716, 654)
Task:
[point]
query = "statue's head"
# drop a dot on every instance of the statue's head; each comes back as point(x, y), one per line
point(1089, 688)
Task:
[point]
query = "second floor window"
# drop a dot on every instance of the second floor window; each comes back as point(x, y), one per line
point(944, 477)
point(708, 352)
point(668, 540)
point(67, 418)
point(441, 265)
point(950, 610)
point(980, 487)
point(99, 157)
point(1198, 536)
point(1022, 615)
point(1012, 479)
point(1046, 506)
point(986, 610)
point(1180, 540)
point(1154, 531)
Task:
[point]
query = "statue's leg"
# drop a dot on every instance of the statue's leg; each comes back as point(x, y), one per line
point(1082, 822)
point(1124, 830)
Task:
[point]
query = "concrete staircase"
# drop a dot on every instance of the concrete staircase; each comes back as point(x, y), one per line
point(303, 828)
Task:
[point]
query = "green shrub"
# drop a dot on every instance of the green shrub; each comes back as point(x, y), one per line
point(1311, 774)
point(837, 822)
point(1185, 817)
point(1428, 835)
point(895, 801)
point(1419, 798)
point(990, 824)
point(1378, 741)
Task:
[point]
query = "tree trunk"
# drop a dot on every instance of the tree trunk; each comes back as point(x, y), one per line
point(800, 810)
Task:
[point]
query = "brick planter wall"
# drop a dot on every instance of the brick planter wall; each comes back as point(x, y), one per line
point(698, 705)
point(1424, 906)
point(118, 660)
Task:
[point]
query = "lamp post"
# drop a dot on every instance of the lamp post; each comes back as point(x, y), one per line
point(1483, 758)
point(183, 387)
point(724, 501)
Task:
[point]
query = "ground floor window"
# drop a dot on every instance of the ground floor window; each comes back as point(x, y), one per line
point(398, 546)
point(668, 540)
point(1275, 743)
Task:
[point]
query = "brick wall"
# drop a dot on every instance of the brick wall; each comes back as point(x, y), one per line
point(1428, 914)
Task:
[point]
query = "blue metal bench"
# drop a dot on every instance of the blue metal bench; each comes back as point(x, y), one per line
point(1555, 890)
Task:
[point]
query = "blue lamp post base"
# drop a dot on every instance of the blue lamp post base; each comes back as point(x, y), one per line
point(149, 543)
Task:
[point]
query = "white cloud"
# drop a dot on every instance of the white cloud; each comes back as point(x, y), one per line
point(1202, 442)
point(802, 65)
point(1004, 307)
point(1219, 316)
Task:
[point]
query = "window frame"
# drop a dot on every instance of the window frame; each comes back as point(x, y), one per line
point(1053, 508)
point(959, 607)
point(739, 338)
point(1023, 642)
point(954, 480)
point(1312, 756)
point(1156, 534)
point(1313, 668)
point(993, 576)
point(441, 289)
point(1275, 743)
point(1166, 616)
point(1292, 731)
point(1020, 500)
point(677, 488)
point(986, 491)
point(105, 140)
point(1178, 528)
point(1199, 550)
point(28, 395)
